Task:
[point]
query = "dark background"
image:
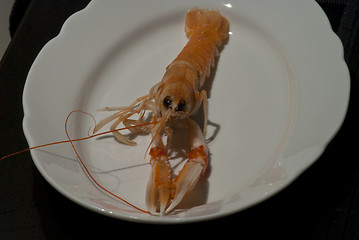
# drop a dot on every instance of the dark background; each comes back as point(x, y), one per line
point(323, 203)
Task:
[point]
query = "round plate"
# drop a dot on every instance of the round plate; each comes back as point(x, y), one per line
point(277, 96)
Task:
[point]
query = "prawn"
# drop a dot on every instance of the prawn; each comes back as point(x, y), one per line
point(172, 101)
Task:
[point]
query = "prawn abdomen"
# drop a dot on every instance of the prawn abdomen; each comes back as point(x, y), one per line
point(208, 22)
point(206, 31)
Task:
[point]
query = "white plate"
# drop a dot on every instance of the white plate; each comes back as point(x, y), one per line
point(279, 94)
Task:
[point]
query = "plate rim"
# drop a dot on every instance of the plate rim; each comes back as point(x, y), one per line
point(27, 132)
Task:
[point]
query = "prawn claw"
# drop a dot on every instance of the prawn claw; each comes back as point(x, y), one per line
point(195, 166)
point(158, 188)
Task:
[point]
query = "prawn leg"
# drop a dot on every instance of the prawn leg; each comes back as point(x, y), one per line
point(195, 166)
point(140, 99)
point(140, 104)
point(201, 98)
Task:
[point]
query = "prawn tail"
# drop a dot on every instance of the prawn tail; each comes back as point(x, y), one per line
point(206, 30)
point(208, 22)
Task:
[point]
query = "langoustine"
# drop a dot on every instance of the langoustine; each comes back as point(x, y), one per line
point(173, 100)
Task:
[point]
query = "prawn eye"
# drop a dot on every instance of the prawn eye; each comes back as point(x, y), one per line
point(181, 105)
point(167, 102)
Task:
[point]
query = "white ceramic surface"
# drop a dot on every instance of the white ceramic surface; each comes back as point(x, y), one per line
point(278, 95)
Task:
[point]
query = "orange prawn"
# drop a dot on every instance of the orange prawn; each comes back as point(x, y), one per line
point(173, 100)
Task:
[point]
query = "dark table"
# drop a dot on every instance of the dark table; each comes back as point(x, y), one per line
point(323, 203)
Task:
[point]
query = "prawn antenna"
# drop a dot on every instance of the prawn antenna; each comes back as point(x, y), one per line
point(78, 139)
point(71, 141)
